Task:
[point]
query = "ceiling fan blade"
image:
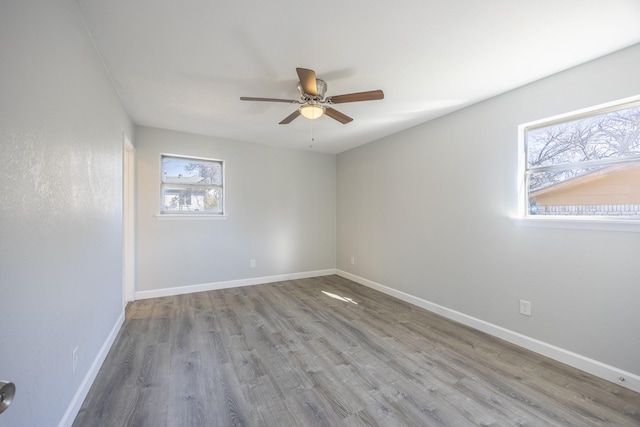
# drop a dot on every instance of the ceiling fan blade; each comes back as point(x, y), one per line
point(250, 98)
point(308, 81)
point(290, 118)
point(337, 115)
point(371, 95)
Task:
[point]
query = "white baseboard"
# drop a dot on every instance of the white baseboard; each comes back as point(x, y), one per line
point(189, 289)
point(594, 367)
point(76, 403)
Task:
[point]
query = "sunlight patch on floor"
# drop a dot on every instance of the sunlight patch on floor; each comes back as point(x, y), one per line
point(338, 297)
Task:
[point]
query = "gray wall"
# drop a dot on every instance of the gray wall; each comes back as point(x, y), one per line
point(280, 205)
point(427, 212)
point(61, 127)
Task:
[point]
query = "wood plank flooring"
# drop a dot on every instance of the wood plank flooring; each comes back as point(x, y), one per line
point(329, 352)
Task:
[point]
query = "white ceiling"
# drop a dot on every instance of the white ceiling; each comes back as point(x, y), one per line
point(183, 64)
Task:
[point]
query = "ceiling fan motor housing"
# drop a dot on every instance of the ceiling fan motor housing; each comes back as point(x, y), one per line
point(321, 89)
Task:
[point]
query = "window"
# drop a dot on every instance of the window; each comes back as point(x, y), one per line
point(191, 185)
point(584, 164)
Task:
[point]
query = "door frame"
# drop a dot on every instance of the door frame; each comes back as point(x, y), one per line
point(128, 220)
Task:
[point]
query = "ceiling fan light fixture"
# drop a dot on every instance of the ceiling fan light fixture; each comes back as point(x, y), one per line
point(311, 111)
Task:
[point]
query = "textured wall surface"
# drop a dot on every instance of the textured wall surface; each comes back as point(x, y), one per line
point(280, 207)
point(427, 212)
point(61, 127)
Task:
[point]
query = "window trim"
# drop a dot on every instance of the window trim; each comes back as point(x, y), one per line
point(191, 215)
point(577, 223)
point(568, 221)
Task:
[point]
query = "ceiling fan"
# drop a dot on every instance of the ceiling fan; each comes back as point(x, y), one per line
point(314, 104)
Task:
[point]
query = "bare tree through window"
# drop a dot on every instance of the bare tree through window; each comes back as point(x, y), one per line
point(192, 185)
point(589, 160)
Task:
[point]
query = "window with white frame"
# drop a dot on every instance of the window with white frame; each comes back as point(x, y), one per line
point(191, 185)
point(584, 164)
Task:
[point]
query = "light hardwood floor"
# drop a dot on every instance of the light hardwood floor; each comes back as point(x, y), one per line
point(329, 352)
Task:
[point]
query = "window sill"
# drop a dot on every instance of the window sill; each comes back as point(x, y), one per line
point(606, 224)
point(189, 217)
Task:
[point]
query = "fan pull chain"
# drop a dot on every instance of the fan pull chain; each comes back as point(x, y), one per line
point(312, 138)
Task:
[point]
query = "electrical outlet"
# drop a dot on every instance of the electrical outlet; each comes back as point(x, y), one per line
point(353, 260)
point(525, 307)
point(253, 263)
point(74, 360)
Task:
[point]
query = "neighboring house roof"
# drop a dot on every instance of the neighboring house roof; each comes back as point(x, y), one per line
point(619, 184)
